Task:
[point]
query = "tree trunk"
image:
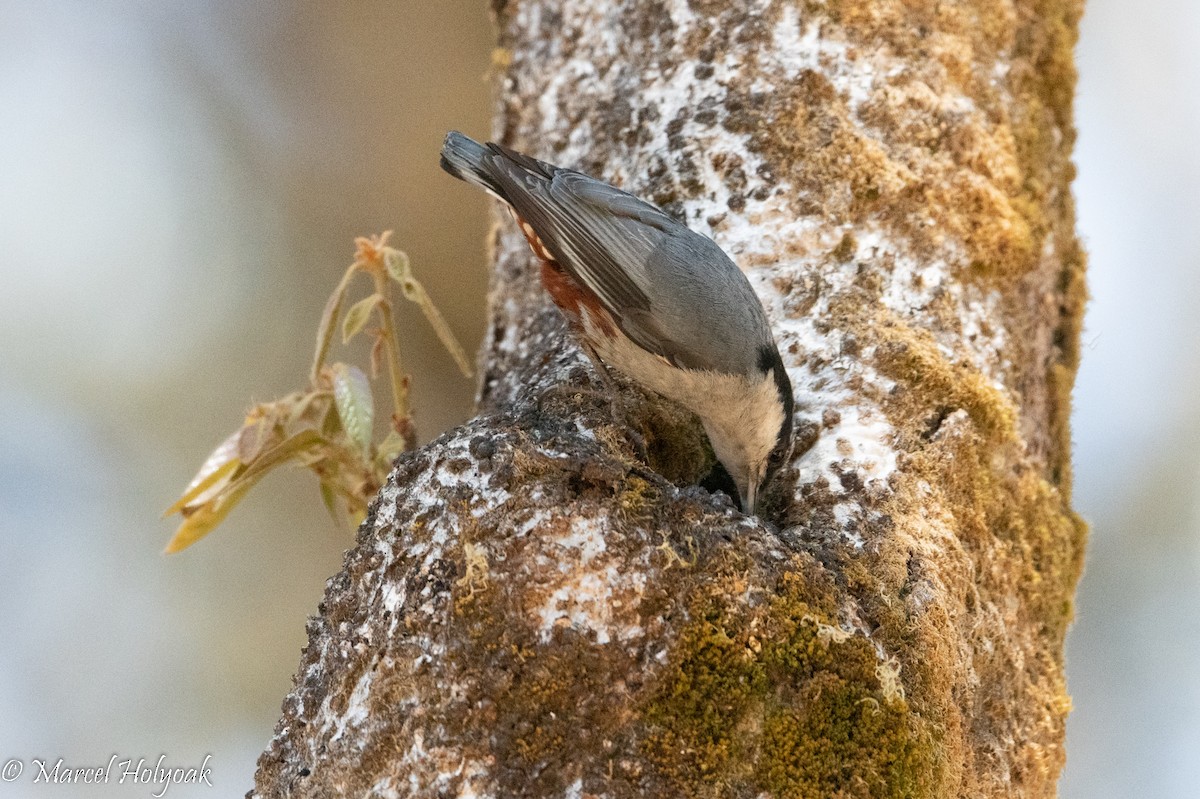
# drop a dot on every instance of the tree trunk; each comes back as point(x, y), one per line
point(541, 602)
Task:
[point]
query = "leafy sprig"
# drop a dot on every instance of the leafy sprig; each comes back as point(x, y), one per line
point(327, 428)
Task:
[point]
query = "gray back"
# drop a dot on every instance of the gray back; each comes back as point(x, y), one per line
point(671, 290)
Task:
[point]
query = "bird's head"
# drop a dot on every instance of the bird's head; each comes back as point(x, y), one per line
point(751, 427)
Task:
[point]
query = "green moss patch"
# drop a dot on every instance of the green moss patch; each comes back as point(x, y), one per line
point(778, 698)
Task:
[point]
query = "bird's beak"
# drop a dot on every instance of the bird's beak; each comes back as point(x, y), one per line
point(750, 497)
point(749, 493)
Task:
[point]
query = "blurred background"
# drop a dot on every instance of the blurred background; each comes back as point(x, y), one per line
point(180, 185)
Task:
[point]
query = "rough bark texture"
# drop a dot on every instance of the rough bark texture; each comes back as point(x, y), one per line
point(542, 604)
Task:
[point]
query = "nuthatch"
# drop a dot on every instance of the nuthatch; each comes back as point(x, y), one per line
point(650, 298)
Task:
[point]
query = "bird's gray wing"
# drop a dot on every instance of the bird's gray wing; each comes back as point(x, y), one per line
point(604, 238)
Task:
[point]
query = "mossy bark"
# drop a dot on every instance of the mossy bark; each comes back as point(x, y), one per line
point(542, 603)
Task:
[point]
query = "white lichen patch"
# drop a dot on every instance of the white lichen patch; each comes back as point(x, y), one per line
point(356, 708)
point(915, 284)
point(443, 770)
point(424, 501)
point(859, 443)
point(582, 586)
point(392, 596)
point(799, 46)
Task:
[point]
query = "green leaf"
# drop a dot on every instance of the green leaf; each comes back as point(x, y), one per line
point(398, 266)
point(356, 318)
point(352, 395)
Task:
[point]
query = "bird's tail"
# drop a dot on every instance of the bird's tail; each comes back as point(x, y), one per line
point(466, 159)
